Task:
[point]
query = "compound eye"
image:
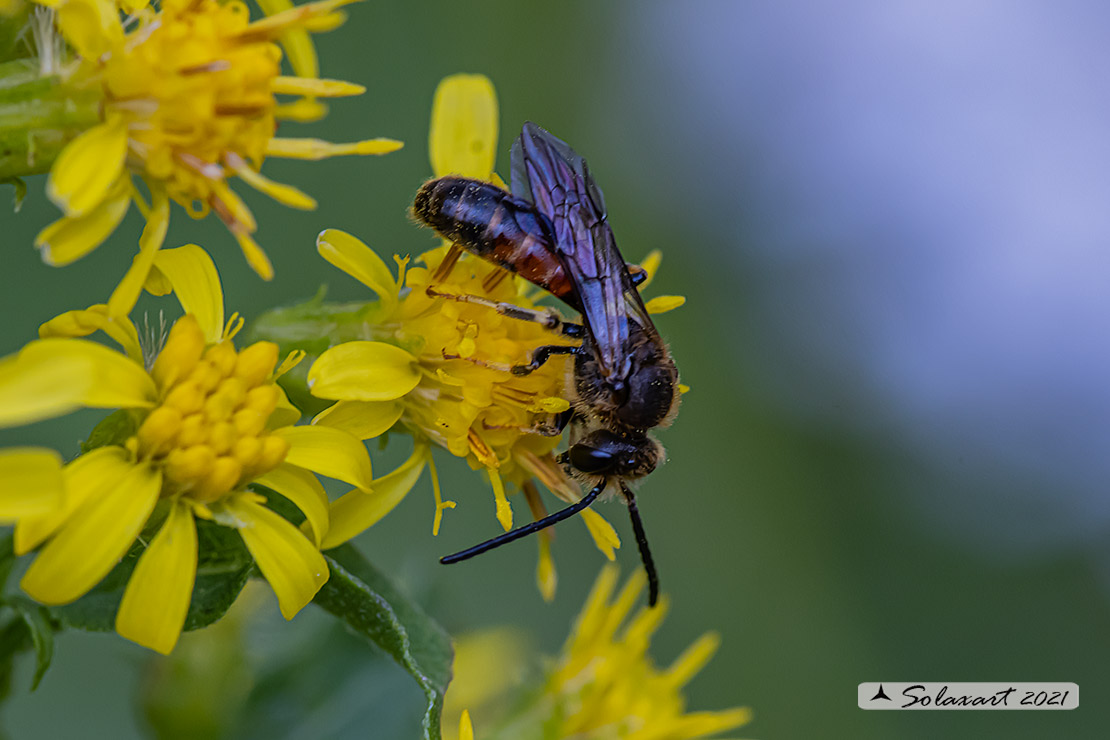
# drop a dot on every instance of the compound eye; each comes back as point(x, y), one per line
point(590, 459)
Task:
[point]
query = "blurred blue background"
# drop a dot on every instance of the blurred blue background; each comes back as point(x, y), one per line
point(891, 222)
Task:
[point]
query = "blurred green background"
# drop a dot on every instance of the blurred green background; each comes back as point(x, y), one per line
point(891, 465)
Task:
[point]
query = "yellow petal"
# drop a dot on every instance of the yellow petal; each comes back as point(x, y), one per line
point(72, 237)
point(30, 393)
point(117, 380)
point(437, 496)
point(51, 377)
point(256, 257)
point(359, 261)
point(281, 192)
point(605, 537)
point(191, 273)
point(623, 604)
point(316, 149)
point(637, 633)
point(94, 538)
point(285, 414)
point(363, 419)
point(91, 27)
point(83, 323)
point(546, 577)
point(357, 511)
point(363, 371)
point(591, 619)
point(157, 284)
point(692, 660)
point(304, 491)
point(87, 168)
point(704, 724)
point(463, 139)
point(127, 292)
point(326, 22)
point(32, 482)
point(294, 567)
point(663, 303)
point(301, 110)
point(502, 509)
point(299, 48)
point(650, 265)
point(329, 452)
point(91, 474)
point(240, 215)
point(156, 601)
point(314, 87)
point(301, 15)
point(466, 729)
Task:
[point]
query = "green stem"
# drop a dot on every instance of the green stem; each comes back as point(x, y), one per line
point(39, 115)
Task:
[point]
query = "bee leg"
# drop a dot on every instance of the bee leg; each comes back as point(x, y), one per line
point(447, 264)
point(499, 366)
point(548, 318)
point(542, 354)
point(494, 279)
point(554, 425)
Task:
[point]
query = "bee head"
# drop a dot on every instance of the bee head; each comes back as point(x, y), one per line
point(607, 453)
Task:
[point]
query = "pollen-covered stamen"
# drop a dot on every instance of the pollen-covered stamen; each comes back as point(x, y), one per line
point(480, 449)
point(209, 433)
point(511, 395)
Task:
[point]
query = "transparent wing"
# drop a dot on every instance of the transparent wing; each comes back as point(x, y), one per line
point(521, 184)
point(546, 171)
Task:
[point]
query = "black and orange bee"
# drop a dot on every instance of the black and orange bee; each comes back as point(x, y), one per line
point(553, 231)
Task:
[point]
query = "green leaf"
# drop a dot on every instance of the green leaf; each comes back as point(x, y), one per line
point(373, 607)
point(13, 638)
point(326, 682)
point(223, 567)
point(37, 620)
point(113, 429)
point(7, 556)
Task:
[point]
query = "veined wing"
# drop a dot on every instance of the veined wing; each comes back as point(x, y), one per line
point(546, 171)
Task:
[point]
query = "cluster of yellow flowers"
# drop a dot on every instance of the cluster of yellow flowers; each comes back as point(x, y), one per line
point(185, 97)
point(166, 103)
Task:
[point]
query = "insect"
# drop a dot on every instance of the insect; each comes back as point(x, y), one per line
point(553, 231)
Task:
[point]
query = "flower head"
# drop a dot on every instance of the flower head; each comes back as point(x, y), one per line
point(203, 421)
point(447, 352)
point(188, 99)
point(604, 685)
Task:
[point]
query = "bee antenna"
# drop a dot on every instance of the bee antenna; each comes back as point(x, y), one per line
point(528, 529)
point(642, 543)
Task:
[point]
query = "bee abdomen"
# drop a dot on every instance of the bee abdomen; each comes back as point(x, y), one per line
point(496, 226)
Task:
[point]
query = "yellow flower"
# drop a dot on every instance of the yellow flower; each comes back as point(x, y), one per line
point(208, 420)
point(188, 101)
point(447, 361)
point(603, 686)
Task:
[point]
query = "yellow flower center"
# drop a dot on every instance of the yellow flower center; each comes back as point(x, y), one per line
point(468, 401)
point(196, 96)
point(209, 433)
